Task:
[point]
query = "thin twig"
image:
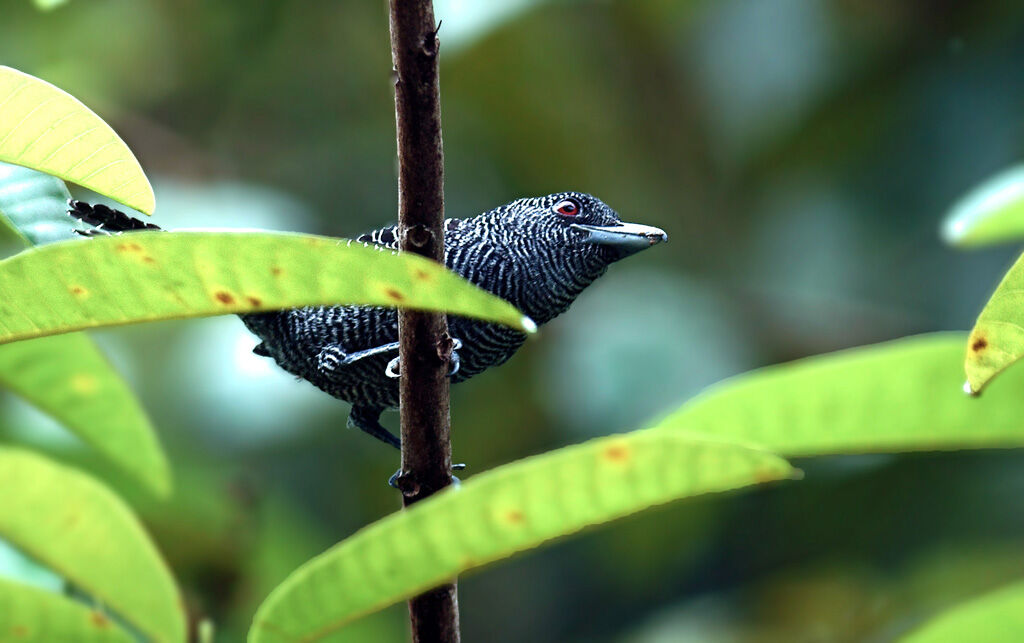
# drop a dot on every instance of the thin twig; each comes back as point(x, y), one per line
point(425, 347)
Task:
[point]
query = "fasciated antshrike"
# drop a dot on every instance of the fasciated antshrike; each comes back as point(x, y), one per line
point(537, 253)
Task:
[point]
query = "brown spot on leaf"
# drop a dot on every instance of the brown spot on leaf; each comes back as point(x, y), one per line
point(276, 271)
point(394, 295)
point(225, 298)
point(20, 631)
point(421, 274)
point(979, 344)
point(617, 453)
point(129, 246)
point(78, 291)
point(254, 301)
point(99, 619)
point(514, 517)
point(148, 259)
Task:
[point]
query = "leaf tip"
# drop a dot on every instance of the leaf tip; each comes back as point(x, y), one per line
point(986, 214)
point(528, 325)
point(953, 231)
point(156, 479)
point(970, 390)
point(147, 203)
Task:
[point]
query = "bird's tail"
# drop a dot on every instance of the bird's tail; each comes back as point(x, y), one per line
point(104, 220)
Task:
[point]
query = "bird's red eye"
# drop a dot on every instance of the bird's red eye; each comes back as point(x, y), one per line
point(567, 208)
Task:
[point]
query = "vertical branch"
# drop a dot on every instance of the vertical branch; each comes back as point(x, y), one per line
point(425, 347)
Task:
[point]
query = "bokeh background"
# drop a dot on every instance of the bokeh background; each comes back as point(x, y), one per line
point(801, 155)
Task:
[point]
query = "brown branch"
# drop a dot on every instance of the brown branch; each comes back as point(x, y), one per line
point(425, 347)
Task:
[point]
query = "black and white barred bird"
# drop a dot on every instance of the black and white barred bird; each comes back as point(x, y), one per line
point(537, 253)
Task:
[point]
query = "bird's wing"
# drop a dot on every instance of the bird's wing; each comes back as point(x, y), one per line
point(384, 237)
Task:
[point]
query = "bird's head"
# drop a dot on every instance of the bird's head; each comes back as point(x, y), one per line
point(561, 243)
point(579, 225)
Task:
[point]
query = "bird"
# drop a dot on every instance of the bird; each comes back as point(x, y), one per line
point(537, 253)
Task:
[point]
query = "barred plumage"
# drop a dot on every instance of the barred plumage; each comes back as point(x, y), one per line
point(537, 253)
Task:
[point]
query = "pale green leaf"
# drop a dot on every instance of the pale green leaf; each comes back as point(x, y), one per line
point(45, 128)
point(997, 339)
point(32, 615)
point(34, 205)
point(898, 396)
point(997, 617)
point(496, 514)
point(74, 525)
point(149, 276)
point(49, 5)
point(67, 377)
point(991, 213)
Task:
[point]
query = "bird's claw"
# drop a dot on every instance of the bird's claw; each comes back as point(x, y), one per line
point(393, 480)
point(393, 368)
point(394, 483)
point(455, 361)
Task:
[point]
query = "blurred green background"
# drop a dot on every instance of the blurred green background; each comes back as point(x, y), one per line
point(800, 154)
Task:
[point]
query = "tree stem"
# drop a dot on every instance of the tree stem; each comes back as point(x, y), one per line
point(425, 347)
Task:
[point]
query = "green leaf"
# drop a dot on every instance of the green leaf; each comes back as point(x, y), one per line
point(897, 396)
point(32, 615)
point(34, 206)
point(496, 514)
point(69, 522)
point(997, 339)
point(997, 617)
point(149, 276)
point(67, 377)
point(991, 213)
point(45, 128)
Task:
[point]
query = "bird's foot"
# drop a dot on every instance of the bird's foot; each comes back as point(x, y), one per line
point(400, 480)
point(393, 369)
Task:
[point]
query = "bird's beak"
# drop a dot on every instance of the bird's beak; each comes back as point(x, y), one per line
point(624, 238)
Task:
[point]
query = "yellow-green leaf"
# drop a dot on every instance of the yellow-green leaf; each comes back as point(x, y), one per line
point(68, 378)
point(45, 128)
point(32, 615)
point(997, 617)
point(149, 276)
point(898, 396)
point(997, 339)
point(991, 213)
point(72, 524)
point(496, 514)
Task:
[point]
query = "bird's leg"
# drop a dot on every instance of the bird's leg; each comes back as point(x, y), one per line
point(367, 418)
point(393, 366)
point(332, 356)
